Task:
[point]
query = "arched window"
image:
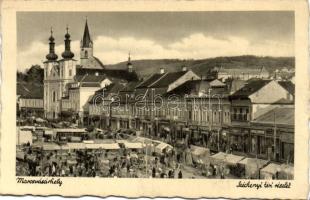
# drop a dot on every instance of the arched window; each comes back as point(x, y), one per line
point(86, 54)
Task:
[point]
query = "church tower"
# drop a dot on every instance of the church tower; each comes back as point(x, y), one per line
point(129, 64)
point(67, 66)
point(51, 66)
point(86, 46)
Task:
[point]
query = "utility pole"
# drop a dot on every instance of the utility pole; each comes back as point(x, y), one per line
point(274, 135)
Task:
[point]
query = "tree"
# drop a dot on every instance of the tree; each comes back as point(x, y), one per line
point(35, 74)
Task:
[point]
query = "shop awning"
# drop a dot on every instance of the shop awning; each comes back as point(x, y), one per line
point(103, 146)
point(75, 139)
point(133, 145)
point(76, 145)
point(51, 147)
point(48, 132)
point(198, 151)
point(226, 158)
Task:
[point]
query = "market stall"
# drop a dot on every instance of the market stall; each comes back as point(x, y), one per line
point(200, 155)
point(249, 167)
point(133, 145)
point(287, 172)
point(161, 147)
point(24, 137)
point(218, 158)
point(270, 171)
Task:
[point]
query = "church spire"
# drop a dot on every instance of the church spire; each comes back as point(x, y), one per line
point(86, 41)
point(51, 56)
point(129, 64)
point(67, 54)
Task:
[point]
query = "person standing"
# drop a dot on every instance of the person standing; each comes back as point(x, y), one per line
point(180, 175)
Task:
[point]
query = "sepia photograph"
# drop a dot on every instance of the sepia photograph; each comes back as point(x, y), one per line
point(175, 95)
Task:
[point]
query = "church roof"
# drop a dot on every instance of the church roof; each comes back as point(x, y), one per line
point(86, 37)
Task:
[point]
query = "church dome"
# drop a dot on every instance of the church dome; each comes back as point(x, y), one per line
point(51, 56)
point(67, 54)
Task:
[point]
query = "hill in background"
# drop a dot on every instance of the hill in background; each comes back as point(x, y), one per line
point(202, 66)
point(146, 67)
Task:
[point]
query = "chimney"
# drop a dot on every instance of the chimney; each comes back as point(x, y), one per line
point(162, 70)
point(184, 68)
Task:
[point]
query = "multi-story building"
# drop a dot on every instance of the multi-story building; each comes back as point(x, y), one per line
point(272, 135)
point(242, 73)
point(255, 99)
point(207, 112)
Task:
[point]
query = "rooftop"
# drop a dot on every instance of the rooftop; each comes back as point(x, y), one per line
point(30, 90)
point(250, 88)
point(282, 115)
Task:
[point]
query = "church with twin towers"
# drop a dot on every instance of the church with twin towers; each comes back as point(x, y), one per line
point(68, 85)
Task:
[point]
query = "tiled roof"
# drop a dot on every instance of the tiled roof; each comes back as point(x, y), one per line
point(289, 86)
point(251, 87)
point(90, 85)
point(82, 71)
point(130, 87)
point(114, 73)
point(194, 87)
point(113, 88)
point(90, 78)
point(278, 116)
point(168, 78)
point(121, 74)
point(150, 80)
point(30, 90)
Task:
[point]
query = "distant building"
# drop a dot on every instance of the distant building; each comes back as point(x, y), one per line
point(30, 99)
point(242, 73)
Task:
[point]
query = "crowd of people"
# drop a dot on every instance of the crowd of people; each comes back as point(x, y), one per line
point(103, 163)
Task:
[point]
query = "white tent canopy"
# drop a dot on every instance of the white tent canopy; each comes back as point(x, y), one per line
point(270, 170)
point(133, 145)
point(252, 165)
point(161, 146)
point(222, 157)
point(233, 159)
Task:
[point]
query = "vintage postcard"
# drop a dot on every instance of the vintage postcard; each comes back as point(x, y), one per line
point(155, 98)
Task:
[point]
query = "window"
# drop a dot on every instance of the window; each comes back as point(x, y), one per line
point(70, 72)
point(86, 54)
point(54, 96)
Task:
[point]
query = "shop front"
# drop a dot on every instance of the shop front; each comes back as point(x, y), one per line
point(238, 139)
point(286, 147)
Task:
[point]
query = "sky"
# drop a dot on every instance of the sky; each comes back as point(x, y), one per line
point(157, 35)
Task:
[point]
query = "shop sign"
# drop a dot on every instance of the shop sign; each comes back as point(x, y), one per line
point(288, 138)
point(258, 131)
